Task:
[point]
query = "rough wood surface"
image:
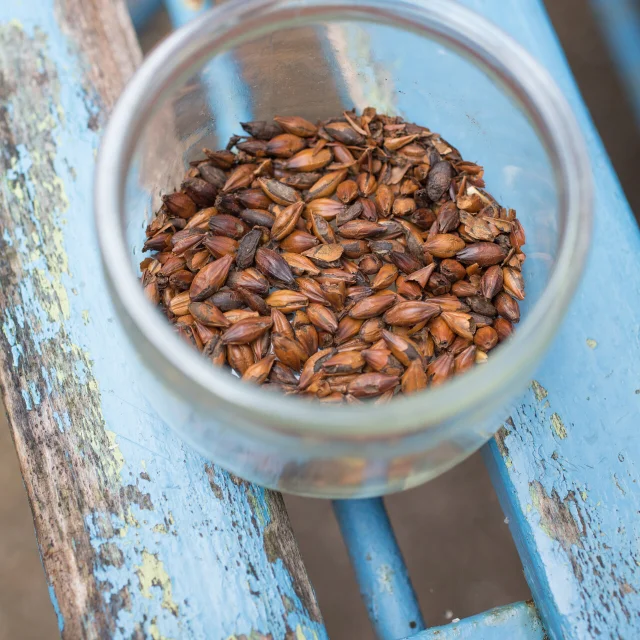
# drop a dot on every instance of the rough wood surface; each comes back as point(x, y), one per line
point(139, 536)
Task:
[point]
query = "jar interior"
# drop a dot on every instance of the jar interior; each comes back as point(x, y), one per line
point(318, 68)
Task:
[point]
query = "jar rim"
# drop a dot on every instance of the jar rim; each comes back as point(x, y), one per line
point(459, 28)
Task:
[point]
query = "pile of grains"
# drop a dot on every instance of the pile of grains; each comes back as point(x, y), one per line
point(359, 257)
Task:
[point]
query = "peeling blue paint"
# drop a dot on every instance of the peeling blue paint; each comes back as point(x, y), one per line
point(56, 417)
point(27, 399)
point(518, 621)
point(581, 556)
point(47, 380)
point(56, 608)
point(9, 330)
point(34, 392)
point(207, 554)
point(80, 371)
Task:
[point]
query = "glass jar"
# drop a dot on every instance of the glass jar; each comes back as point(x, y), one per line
point(436, 64)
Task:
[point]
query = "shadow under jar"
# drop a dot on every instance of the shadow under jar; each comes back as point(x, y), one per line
point(435, 64)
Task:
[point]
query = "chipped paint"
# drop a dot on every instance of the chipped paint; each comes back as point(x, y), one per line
point(616, 480)
point(556, 519)
point(54, 381)
point(570, 491)
point(385, 578)
point(518, 621)
point(211, 476)
point(260, 509)
point(152, 573)
point(56, 608)
point(130, 519)
point(499, 437)
point(305, 634)
point(558, 426)
point(538, 390)
point(154, 632)
point(118, 458)
point(71, 383)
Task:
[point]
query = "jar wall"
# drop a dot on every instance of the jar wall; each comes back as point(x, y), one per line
point(312, 58)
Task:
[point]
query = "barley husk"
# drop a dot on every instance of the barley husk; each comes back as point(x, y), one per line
point(339, 260)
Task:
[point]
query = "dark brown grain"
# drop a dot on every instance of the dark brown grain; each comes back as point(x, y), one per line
point(354, 258)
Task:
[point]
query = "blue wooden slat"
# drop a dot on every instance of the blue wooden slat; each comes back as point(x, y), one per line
point(567, 464)
point(382, 575)
point(566, 467)
point(140, 536)
point(518, 621)
point(620, 23)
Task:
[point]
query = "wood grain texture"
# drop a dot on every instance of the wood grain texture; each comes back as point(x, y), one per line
point(139, 536)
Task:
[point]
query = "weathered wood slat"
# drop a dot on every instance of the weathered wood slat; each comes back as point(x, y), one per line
point(139, 536)
point(385, 585)
point(567, 464)
point(518, 621)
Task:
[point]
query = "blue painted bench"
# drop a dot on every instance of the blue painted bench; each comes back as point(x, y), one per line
point(140, 537)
